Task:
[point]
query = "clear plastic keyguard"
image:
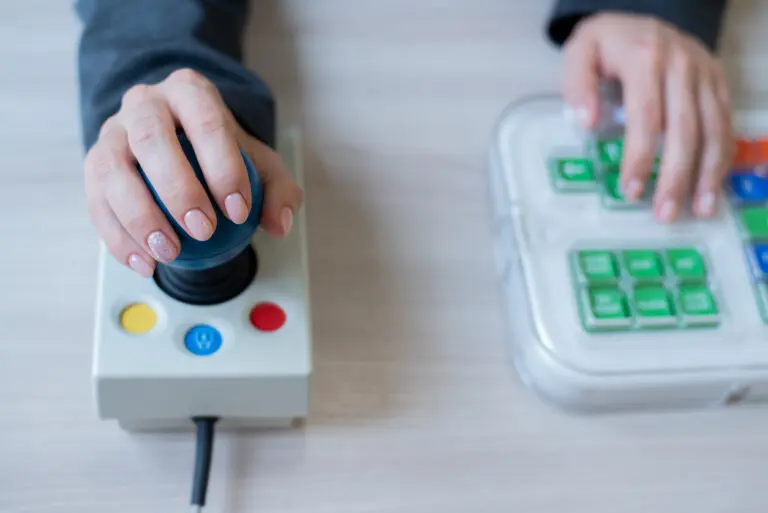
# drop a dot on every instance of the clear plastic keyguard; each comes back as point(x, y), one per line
point(608, 308)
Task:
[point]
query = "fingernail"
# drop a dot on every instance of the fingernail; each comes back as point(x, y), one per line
point(706, 204)
point(198, 224)
point(237, 209)
point(163, 249)
point(286, 219)
point(668, 211)
point(634, 188)
point(580, 115)
point(140, 266)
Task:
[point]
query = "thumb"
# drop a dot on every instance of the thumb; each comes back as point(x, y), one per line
point(282, 195)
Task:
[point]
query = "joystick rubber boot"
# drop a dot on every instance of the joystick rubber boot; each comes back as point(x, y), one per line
point(210, 286)
point(216, 270)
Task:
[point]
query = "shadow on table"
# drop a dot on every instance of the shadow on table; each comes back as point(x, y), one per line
point(353, 291)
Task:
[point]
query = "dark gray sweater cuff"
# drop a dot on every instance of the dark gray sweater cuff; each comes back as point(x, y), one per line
point(700, 18)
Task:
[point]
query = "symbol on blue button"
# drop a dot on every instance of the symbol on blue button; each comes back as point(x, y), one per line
point(749, 187)
point(202, 340)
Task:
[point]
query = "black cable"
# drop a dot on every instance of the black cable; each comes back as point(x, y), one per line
point(203, 456)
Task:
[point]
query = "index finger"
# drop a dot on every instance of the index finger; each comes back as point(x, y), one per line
point(641, 82)
point(209, 126)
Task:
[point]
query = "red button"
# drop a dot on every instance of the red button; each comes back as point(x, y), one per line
point(267, 317)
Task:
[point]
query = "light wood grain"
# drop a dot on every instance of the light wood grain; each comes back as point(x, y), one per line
point(415, 407)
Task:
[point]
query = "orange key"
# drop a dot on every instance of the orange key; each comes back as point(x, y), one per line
point(745, 153)
point(761, 151)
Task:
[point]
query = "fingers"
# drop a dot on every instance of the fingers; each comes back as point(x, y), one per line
point(132, 226)
point(682, 139)
point(210, 127)
point(151, 131)
point(142, 138)
point(673, 88)
point(582, 79)
point(644, 102)
point(282, 195)
point(118, 242)
point(131, 202)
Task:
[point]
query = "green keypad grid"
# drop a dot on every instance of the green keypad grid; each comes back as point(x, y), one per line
point(644, 289)
point(598, 171)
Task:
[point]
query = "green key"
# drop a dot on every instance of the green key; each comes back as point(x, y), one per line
point(697, 304)
point(755, 222)
point(652, 302)
point(605, 309)
point(575, 170)
point(610, 152)
point(608, 303)
point(598, 266)
point(572, 174)
point(612, 187)
point(697, 300)
point(643, 264)
point(654, 306)
point(687, 264)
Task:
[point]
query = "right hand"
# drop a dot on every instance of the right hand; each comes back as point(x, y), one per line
point(134, 229)
point(674, 88)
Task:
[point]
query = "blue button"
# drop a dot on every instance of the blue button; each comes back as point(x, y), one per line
point(749, 187)
point(761, 258)
point(203, 340)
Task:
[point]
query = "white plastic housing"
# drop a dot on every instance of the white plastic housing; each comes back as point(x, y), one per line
point(257, 378)
point(535, 228)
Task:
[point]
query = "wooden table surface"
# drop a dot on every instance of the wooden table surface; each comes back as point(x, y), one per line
point(415, 406)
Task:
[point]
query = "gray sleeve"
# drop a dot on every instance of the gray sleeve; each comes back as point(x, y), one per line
point(700, 18)
point(129, 42)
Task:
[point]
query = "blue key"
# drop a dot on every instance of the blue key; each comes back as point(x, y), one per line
point(749, 187)
point(760, 254)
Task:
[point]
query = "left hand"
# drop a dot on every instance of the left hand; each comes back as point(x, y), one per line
point(673, 87)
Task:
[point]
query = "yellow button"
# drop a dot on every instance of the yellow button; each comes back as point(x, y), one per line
point(138, 318)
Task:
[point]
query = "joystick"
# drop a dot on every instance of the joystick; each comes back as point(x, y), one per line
point(218, 269)
point(223, 331)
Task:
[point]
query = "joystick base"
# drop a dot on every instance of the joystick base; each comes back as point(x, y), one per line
point(161, 358)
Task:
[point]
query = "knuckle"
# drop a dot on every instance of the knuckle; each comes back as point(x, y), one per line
point(209, 117)
point(100, 164)
point(179, 194)
point(137, 95)
point(210, 122)
point(139, 221)
point(683, 62)
point(651, 51)
point(187, 77)
point(108, 126)
point(146, 129)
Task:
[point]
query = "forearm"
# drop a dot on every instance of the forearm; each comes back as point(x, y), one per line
point(129, 42)
point(700, 18)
